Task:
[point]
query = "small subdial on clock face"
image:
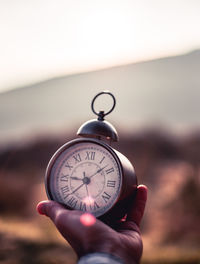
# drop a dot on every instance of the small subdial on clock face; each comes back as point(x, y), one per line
point(93, 186)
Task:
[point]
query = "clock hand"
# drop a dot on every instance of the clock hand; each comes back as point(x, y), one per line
point(88, 199)
point(84, 183)
point(77, 188)
point(74, 190)
point(76, 178)
point(87, 190)
point(87, 179)
point(99, 170)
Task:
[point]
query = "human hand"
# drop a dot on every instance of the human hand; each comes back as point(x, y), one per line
point(86, 234)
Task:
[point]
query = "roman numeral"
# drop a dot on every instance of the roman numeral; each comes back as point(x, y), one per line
point(90, 155)
point(111, 183)
point(106, 197)
point(72, 202)
point(102, 159)
point(65, 190)
point(82, 206)
point(110, 170)
point(77, 158)
point(94, 206)
point(68, 166)
point(64, 178)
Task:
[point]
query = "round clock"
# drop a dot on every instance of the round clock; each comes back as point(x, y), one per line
point(87, 174)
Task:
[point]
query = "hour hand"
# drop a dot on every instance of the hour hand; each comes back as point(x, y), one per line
point(76, 178)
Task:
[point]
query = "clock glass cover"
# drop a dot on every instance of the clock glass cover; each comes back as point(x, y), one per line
point(86, 176)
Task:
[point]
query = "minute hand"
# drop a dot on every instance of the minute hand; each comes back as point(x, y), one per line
point(99, 170)
point(77, 188)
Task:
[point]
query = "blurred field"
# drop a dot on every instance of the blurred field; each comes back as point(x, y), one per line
point(168, 165)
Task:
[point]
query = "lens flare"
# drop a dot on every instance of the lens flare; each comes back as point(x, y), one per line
point(88, 200)
point(87, 219)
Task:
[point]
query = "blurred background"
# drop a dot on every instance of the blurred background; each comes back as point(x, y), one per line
point(55, 57)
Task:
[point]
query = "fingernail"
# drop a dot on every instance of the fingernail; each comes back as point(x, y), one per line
point(40, 208)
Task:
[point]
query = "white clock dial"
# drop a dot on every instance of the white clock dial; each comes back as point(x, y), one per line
point(86, 176)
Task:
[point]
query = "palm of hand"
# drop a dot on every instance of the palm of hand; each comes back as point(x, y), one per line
point(94, 236)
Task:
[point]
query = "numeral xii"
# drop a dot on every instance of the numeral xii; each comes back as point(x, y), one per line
point(90, 155)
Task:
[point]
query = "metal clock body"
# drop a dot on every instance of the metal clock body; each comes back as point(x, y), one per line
point(87, 174)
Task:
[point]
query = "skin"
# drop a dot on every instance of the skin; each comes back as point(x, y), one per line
point(86, 234)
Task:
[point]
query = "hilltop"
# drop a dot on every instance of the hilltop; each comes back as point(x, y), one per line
point(164, 91)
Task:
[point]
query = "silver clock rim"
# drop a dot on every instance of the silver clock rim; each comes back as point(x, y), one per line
point(71, 143)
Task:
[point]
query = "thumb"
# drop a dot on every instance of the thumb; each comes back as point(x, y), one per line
point(136, 212)
point(50, 209)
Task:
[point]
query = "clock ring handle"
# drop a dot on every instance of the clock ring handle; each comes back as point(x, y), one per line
point(101, 114)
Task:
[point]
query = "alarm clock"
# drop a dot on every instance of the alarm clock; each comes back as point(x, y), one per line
point(87, 174)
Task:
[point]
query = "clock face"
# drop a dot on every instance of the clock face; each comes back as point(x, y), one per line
point(85, 176)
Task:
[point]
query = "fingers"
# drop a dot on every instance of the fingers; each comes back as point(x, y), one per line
point(74, 226)
point(50, 209)
point(136, 212)
point(60, 214)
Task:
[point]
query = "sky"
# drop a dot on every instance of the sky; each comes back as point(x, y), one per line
point(45, 39)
